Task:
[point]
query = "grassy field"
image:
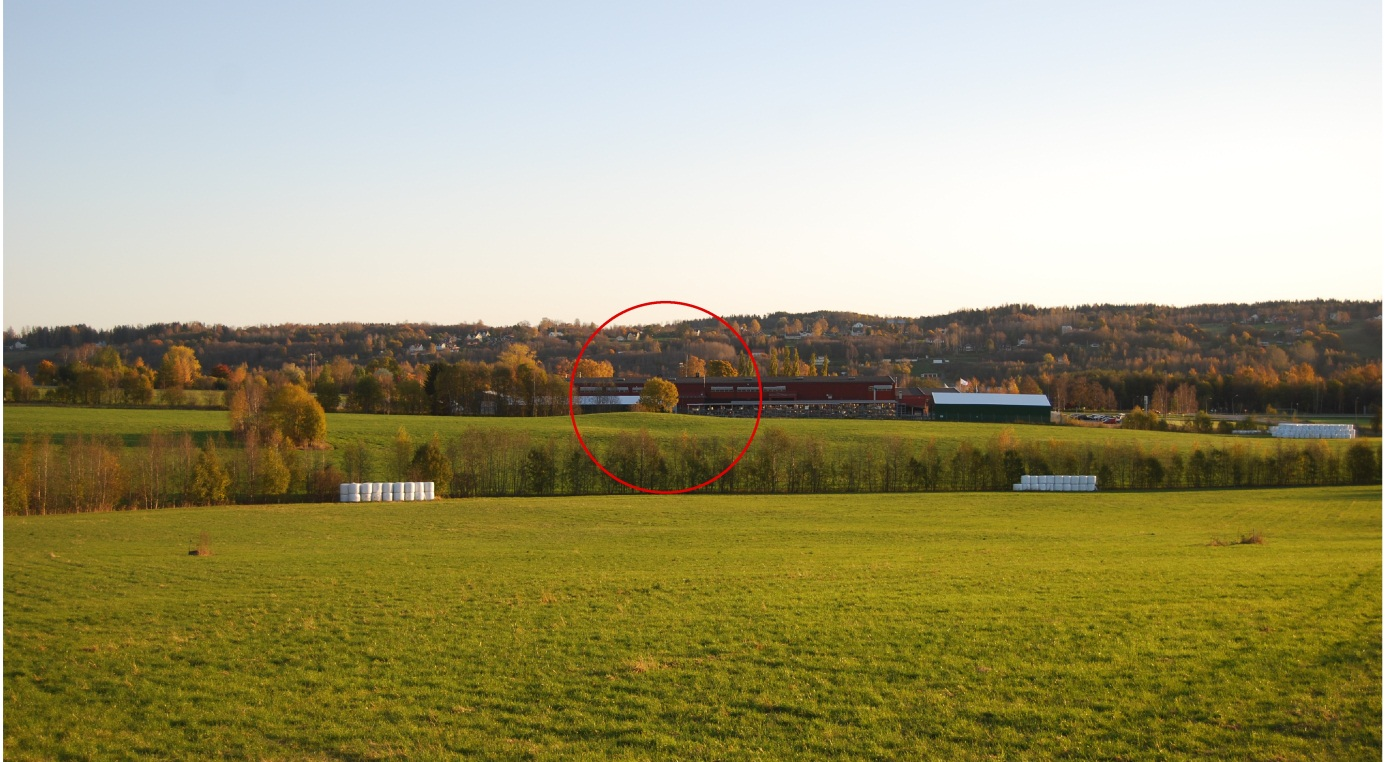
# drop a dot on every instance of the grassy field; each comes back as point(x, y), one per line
point(957, 626)
point(378, 431)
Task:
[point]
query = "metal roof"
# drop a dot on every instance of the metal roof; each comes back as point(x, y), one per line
point(784, 379)
point(991, 398)
point(610, 399)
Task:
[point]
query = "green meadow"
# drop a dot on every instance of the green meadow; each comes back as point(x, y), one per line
point(942, 626)
point(378, 431)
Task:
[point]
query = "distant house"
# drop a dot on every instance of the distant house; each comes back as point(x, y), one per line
point(1024, 342)
point(1066, 329)
point(19, 346)
point(858, 329)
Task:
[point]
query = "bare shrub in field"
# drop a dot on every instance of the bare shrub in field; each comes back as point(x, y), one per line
point(1254, 538)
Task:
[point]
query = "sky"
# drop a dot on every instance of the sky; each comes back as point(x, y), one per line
point(249, 163)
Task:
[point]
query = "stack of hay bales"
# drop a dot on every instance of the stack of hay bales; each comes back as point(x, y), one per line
point(1056, 483)
point(375, 492)
point(1314, 431)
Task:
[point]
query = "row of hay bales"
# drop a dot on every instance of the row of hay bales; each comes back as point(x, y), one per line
point(386, 492)
point(1314, 431)
point(1056, 483)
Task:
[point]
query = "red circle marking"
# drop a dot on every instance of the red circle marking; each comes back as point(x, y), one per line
point(572, 413)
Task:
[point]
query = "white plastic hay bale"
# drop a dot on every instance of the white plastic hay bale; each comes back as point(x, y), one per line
point(408, 491)
point(428, 491)
point(366, 492)
point(397, 490)
point(1018, 487)
point(387, 492)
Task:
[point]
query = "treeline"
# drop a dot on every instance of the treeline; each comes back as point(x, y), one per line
point(43, 475)
point(785, 463)
point(99, 473)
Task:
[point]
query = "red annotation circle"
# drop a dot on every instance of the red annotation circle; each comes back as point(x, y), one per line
point(572, 413)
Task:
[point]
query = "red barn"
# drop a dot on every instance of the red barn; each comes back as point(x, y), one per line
point(830, 396)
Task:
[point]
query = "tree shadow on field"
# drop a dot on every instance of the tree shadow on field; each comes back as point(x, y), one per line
point(199, 436)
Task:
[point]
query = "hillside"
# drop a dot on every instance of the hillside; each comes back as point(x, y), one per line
point(1311, 357)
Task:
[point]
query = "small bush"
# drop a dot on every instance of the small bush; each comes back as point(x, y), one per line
point(1254, 538)
point(324, 484)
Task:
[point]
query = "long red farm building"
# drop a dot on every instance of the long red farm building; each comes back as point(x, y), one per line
point(818, 397)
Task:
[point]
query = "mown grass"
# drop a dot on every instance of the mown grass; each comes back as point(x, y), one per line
point(378, 431)
point(955, 626)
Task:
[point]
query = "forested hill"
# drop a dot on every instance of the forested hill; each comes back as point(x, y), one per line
point(1119, 350)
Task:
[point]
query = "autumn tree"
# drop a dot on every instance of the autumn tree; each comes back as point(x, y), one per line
point(431, 464)
point(355, 458)
point(19, 387)
point(327, 390)
point(595, 369)
point(45, 373)
point(720, 369)
point(137, 386)
point(694, 367)
point(403, 447)
point(1185, 399)
point(518, 355)
point(179, 368)
point(659, 396)
point(210, 481)
point(296, 416)
point(368, 396)
point(246, 402)
point(271, 473)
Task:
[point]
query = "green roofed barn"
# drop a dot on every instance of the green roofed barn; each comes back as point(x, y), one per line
point(991, 408)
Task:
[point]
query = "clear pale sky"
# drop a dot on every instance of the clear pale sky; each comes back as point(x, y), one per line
point(255, 163)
